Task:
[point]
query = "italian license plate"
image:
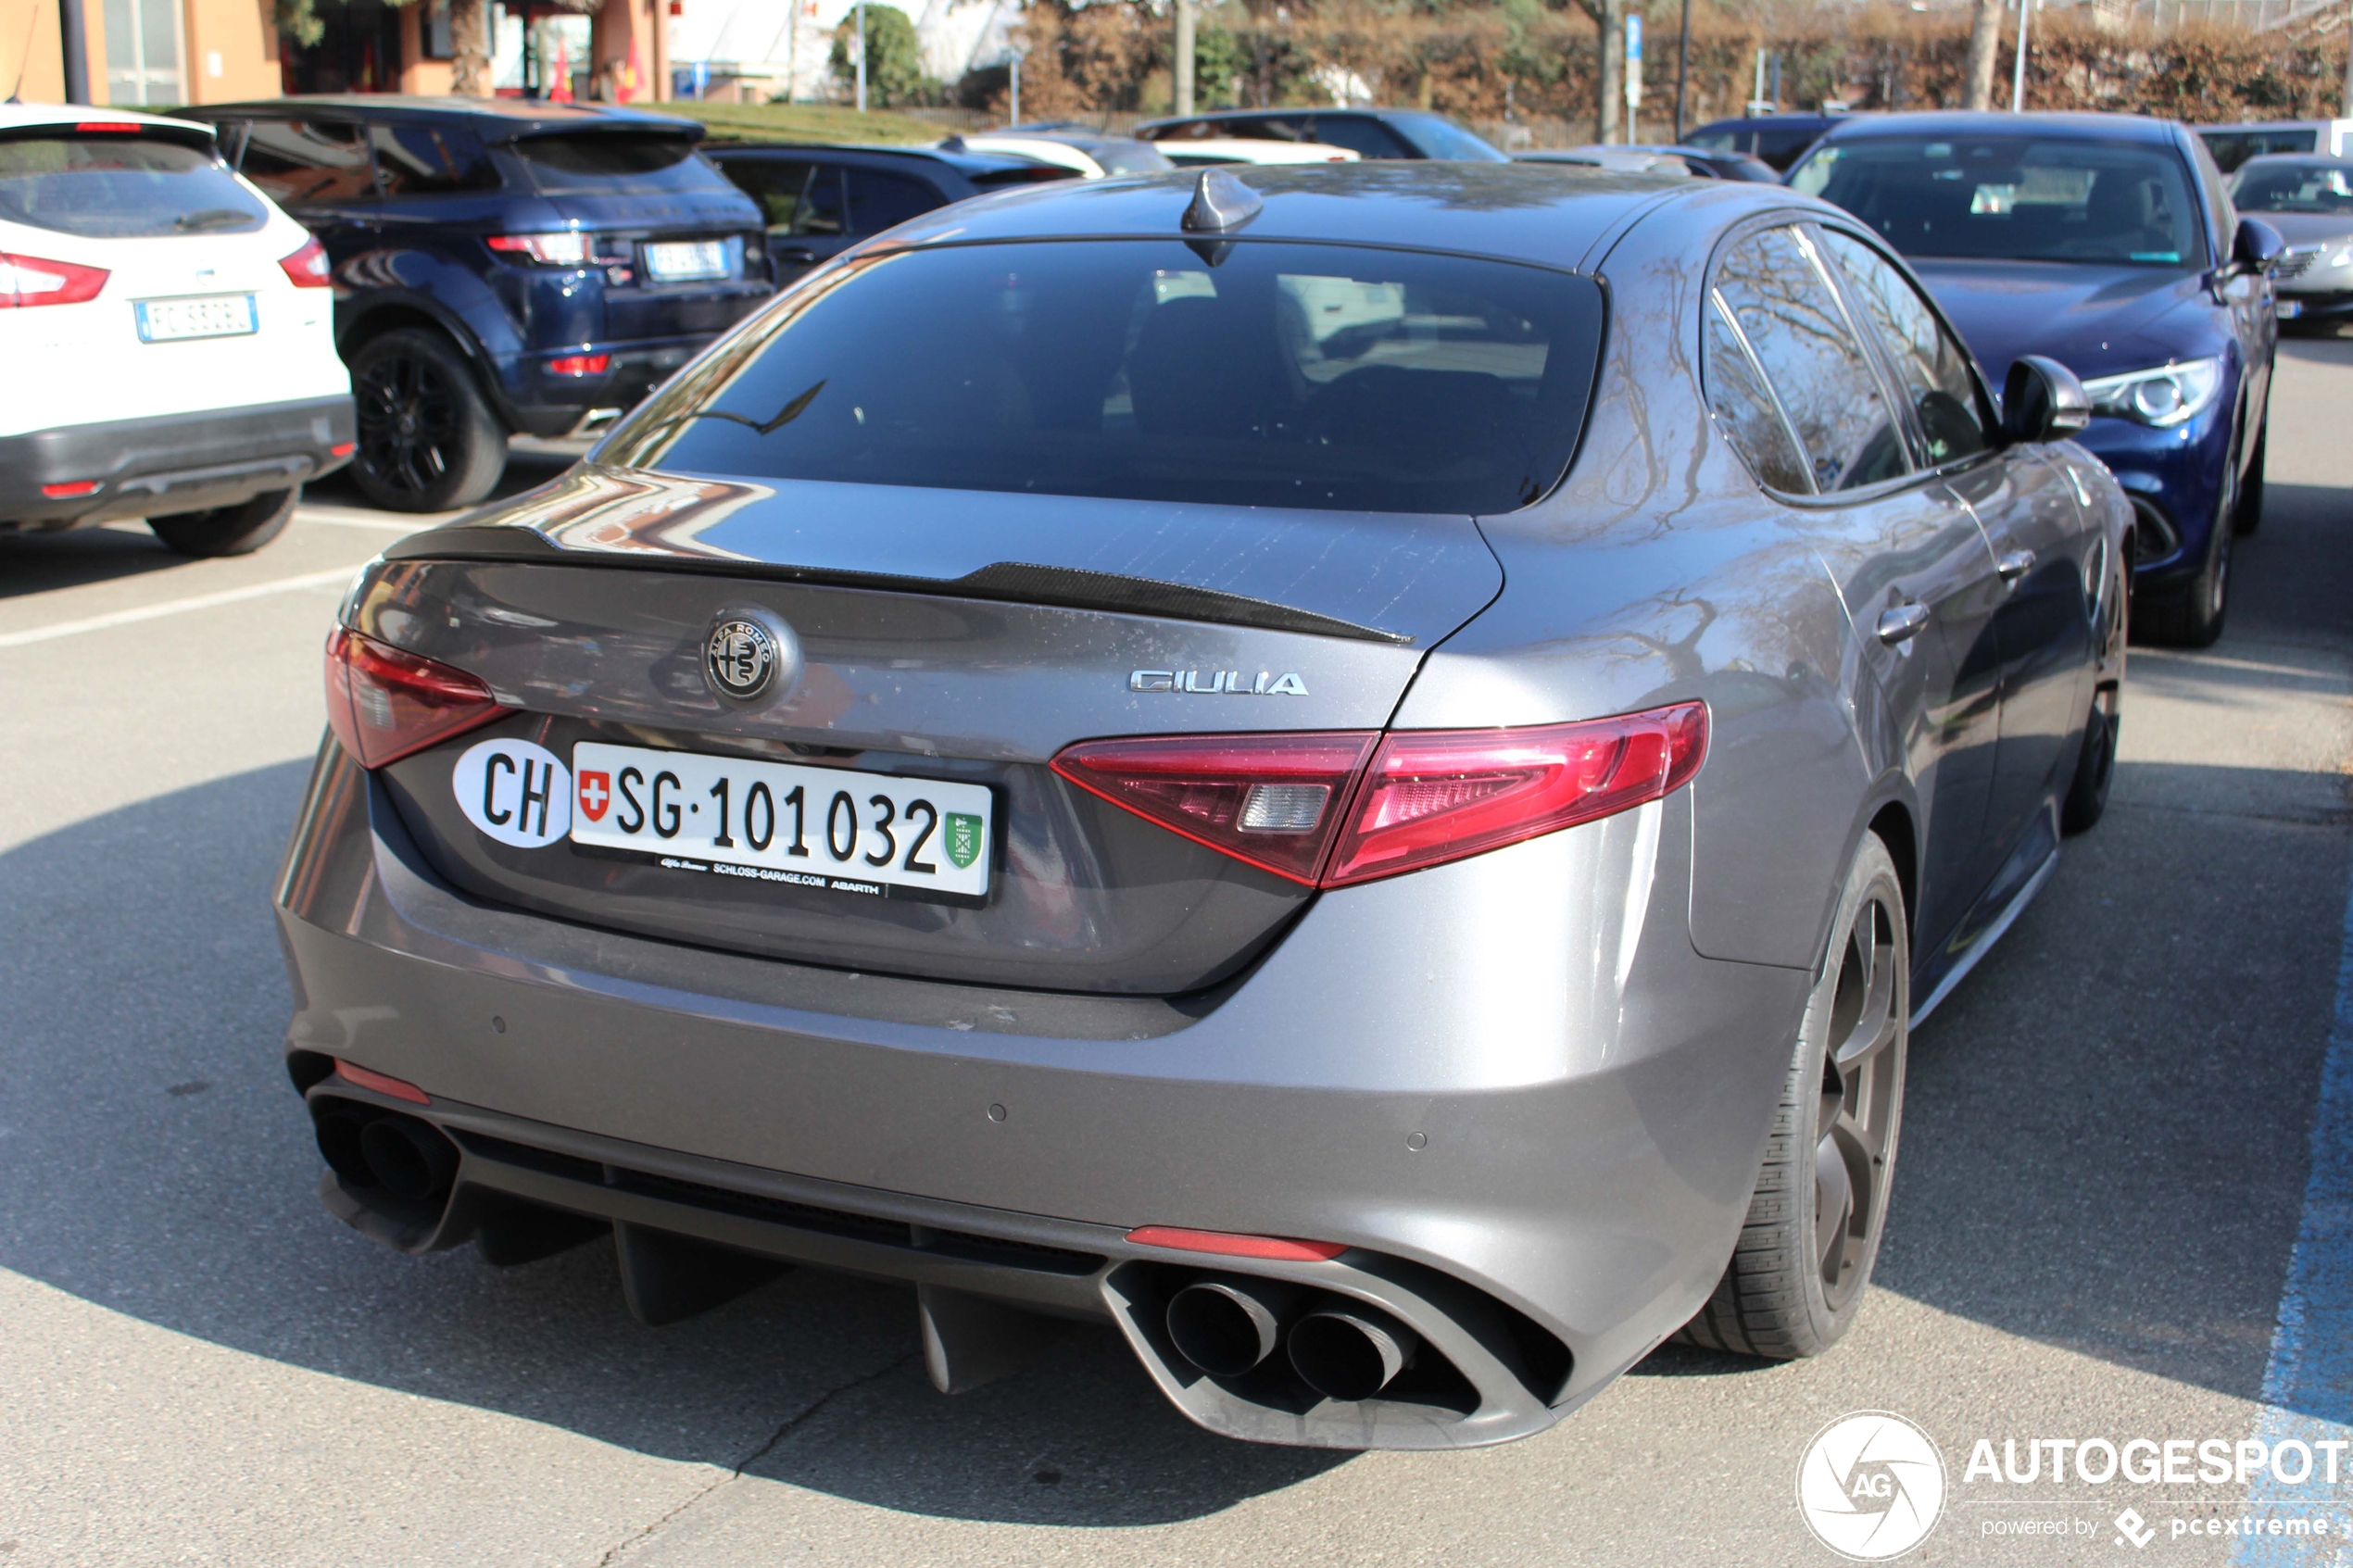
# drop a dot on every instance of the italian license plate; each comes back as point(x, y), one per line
point(218, 315)
point(679, 260)
point(878, 834)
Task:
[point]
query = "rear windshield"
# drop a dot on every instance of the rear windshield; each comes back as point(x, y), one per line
point(617, 160)
point(116, 186)
point(1275, 374)
point(2014, 197)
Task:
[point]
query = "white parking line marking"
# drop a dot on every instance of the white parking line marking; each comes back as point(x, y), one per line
point(336, 578)
point(306, 515)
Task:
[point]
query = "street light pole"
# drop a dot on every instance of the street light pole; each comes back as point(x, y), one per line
point(2017, 71)
point(74, 46)
point(1682, 70)
point(1183, 67)
point(861, 57)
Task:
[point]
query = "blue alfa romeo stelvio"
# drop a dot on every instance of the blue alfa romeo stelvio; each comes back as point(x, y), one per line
point(2107, 243)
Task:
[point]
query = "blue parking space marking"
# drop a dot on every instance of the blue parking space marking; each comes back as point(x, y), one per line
point(2307, 1387)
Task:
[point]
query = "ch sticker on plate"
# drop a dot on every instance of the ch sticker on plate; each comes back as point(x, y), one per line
point(515, 791)
point(880, 835)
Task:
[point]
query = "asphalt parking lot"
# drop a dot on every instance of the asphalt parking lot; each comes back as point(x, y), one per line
point(2104, 1177)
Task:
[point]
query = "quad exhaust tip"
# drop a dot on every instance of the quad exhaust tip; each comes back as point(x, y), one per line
point(1227, 1327)
point(1350, 1353)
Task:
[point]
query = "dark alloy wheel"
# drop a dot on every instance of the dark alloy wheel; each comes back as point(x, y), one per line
point(2086, 800)
point(1798, 1271)
point(429, 440)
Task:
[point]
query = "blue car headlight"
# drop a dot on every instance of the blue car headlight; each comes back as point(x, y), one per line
point(2163, 396)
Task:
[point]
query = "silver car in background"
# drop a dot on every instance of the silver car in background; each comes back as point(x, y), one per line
point(1357, 772)
point(2310, 201)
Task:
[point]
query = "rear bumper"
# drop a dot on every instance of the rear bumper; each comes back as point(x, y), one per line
point(548, 403)
point(1538, 1157)
point(175, 463)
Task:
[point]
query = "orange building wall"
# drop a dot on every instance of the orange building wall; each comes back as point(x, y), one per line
point(232, 50)
point(42, 62)
point(417, 73)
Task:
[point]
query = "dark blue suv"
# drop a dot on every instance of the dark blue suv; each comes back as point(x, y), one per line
point(500, 266)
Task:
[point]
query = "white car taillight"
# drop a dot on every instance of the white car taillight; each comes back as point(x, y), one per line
point(28, 281)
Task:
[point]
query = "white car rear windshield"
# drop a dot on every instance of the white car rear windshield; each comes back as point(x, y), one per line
point(1249, 373)
point(119, 185)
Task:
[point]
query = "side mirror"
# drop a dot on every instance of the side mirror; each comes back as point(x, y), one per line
point(2255, 247)
point(2043, 401)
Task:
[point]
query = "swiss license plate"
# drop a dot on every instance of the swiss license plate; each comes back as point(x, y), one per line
point(677, 260)
point(879, 835)
point(2290, 309)
point(217, 315)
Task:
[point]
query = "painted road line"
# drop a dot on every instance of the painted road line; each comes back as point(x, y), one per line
point(2307, 1387)
point(335, 578)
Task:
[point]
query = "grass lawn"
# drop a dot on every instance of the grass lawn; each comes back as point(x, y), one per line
point(803, 122)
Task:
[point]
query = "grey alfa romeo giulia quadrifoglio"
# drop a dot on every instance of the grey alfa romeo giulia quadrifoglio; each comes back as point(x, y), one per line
point(1357, 772)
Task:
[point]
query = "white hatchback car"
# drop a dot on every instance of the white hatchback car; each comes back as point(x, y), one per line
point(167, 336)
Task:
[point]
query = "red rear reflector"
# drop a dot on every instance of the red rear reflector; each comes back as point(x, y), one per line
point(579, 364)
point(73, 491)
point(343, 449)
point(1433, 795)
point(396, 1088)
point(383, 704)
point(27, 281)
point(1349, 806)
point(1275, 801)
point(1275, 1249)
point(308, 267)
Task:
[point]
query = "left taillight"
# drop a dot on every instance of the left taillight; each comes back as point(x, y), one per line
point(383, 704)
point(308, 267)
point(27, 281)
point(1329, 810)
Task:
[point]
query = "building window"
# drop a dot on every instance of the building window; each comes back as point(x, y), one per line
point(432, 32)
point(142, 53)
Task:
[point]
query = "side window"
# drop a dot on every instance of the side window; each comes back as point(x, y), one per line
point(1359, 133)
point(424, 160)
point(1752, 419)
point(777, 184)
point(880, 200)
point(821, 211)
point(309, 162)
point(2215, 191)
point(1783, 303)
point(1932, 366)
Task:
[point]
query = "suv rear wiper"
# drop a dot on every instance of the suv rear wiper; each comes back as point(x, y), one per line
point(211, 218)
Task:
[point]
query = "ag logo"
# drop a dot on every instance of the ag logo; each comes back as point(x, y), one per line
point(515, 792)
point(964, 839)
point(750, 656)
point(1871, 1485)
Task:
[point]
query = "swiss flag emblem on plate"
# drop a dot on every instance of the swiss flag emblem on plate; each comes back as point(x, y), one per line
point(596, 796)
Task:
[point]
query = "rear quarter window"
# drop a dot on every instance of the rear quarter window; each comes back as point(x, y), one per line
point(114, 186)
point(309, 162)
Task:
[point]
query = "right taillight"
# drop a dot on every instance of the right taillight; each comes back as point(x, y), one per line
point(1328, 809)
point(29, 280)
point(383, 704)
point(1433, 795)
point(308, 267)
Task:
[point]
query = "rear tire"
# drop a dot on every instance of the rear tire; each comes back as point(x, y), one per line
point(2086, 800)
point(1802, 1263)
point(429, 439)
point(228, 531)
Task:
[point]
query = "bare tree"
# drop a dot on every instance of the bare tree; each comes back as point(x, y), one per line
point(1984, 39)
point(470, 43)
point(1609, 90)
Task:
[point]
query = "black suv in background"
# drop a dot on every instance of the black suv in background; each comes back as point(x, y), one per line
point(820, 200)
point(500, 266)
point(1368, 132)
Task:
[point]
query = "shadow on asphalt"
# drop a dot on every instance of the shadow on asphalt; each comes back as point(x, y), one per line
point(40, 564)
point(155, 1162)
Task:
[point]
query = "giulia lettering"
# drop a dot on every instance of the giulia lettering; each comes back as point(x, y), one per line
point(1231, 682)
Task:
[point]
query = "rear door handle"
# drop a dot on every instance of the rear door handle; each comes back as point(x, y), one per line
point(1902, 623)
point(2015, 564)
